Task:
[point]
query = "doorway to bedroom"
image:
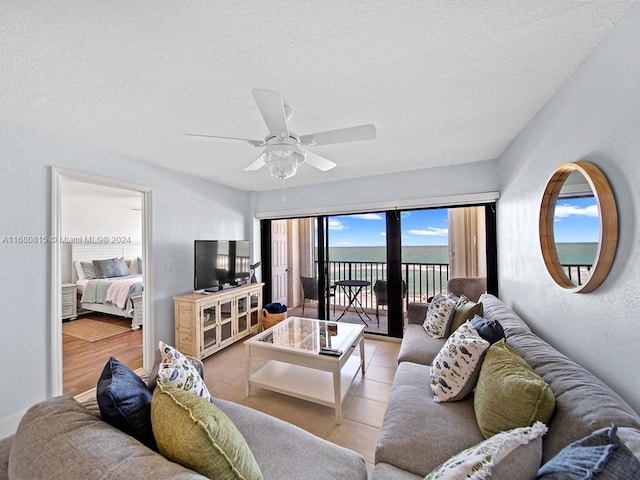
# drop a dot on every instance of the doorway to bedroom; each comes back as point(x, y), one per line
point(101, 258)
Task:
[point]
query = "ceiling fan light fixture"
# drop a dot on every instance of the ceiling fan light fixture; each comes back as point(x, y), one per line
point(282, 160)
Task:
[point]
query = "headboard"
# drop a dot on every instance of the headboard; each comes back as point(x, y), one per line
point(86, 252)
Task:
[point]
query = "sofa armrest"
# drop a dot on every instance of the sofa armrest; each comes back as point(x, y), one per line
point(417, 312)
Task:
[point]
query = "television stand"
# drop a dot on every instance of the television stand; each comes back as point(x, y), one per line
point(207, 323)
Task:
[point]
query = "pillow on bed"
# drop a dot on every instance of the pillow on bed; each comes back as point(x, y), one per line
point(112, 267)
point(85, 271)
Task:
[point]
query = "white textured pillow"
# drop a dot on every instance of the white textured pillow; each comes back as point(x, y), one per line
point(439, 315)
point(455, 370)
point(477, 462)
point(176, 371)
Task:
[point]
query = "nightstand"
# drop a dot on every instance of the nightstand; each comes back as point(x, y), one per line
point(69, 305)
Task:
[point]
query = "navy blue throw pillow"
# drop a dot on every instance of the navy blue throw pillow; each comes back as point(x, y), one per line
point(490, 330)
point(125, 401)
point(599, 455)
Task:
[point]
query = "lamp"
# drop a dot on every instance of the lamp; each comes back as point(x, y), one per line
point(282, 160)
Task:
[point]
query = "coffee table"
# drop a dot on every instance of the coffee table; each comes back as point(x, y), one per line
point(298, 369)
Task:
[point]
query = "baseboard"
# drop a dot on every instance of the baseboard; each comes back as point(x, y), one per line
point(9, 425)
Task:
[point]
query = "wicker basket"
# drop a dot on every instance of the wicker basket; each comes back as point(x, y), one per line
point(270, 319)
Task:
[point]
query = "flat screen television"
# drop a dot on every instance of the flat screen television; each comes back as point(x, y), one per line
point(220, 263)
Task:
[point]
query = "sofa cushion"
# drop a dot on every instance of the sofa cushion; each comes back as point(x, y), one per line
point(60, 439)
point(419, 347)
point(600, 454)
point(287, 452)
point(479, 461)
point(456, 368)
point(192, 431)
point(465, 310)
point(509, 394)
point(439, 316)
point(413, 422)
point(125, 401)
point(584, 403)
point(175, 370)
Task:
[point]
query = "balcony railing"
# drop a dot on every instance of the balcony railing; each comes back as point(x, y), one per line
point(423, 280)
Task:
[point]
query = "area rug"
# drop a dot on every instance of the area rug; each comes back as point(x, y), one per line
point(92, 330)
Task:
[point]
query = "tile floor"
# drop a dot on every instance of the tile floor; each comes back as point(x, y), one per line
point(363, 408)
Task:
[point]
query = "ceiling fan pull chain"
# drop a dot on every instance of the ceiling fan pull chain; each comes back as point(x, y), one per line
point(284, 197)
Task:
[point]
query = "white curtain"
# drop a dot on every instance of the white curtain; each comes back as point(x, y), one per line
point(467, 242)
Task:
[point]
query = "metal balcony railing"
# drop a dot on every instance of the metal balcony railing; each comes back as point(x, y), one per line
point(423, 280)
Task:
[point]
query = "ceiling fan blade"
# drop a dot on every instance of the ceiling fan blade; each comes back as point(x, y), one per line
point(257, 164)
point(255, 143)
point(271, 107)
point(350, 134)
point(317, 161)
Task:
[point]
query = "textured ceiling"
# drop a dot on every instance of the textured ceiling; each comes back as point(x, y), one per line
point(444, 82)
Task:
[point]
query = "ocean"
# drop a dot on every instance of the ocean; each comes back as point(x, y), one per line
point(422, 254)
point(568, 253)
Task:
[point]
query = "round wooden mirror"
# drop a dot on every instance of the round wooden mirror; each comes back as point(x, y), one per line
point(578, 226)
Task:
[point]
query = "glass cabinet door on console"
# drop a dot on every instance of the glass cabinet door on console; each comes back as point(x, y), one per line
point(205, 323)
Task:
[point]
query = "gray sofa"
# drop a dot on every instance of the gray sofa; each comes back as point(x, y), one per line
point(419, 434)
point(61, 438)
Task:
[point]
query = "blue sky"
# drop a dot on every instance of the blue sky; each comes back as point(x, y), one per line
point(576, 220)
point(419, 227)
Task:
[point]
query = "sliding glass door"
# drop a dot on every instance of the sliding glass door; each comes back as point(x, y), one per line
point(366, 268)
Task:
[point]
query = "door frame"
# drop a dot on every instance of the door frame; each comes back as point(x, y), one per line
point(148, 331)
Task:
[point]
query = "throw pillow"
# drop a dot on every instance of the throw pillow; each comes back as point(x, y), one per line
point(175, 370)
point(195, 433)
point(455, 369)
point(509, 393)
point(600, 454)
point(465, 310)
point(490, 330)
point(86, 271)
point(157, 361)
point(478, 462)
point(124, 401)
point(439, 315)
point(110, 268)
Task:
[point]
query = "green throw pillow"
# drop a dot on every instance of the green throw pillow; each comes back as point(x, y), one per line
point(509, 393)
point(465, 310)
point(194, 432)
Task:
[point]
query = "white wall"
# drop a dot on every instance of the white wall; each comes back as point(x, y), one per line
point(594, 117)
point(184, 209)
point(479, 177)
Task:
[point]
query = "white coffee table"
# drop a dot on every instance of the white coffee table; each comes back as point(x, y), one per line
point(295, 366)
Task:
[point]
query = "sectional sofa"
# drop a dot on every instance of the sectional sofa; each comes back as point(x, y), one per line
point(60, 438)
point(419, 434)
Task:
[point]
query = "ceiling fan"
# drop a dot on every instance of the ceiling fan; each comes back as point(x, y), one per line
point(282, 148)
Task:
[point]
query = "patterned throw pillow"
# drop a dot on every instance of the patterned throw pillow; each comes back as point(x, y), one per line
point(176, 370)
point(439, 315)
point(455, 369)
point(197, 434)
point(478, 462)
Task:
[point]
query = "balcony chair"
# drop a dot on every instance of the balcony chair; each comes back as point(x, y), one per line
point(310, 291)
point(380, 291)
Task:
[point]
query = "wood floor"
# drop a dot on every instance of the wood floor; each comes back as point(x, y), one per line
point(83, 361)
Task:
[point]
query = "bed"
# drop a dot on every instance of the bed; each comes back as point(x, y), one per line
point(109, 280)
